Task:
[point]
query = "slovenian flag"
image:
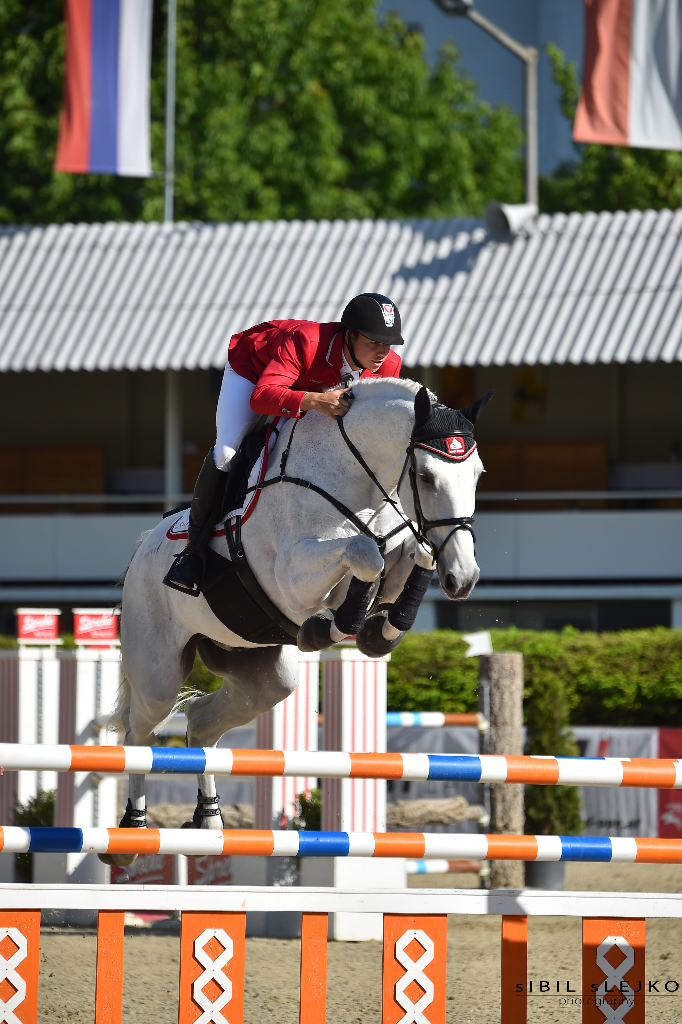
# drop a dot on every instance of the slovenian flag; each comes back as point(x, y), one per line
point(104, 124)
point(632, 93)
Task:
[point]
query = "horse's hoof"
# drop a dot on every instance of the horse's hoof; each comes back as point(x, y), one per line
point(117, 860)
point(207, 814)
point(315, 634)
point(370, 640)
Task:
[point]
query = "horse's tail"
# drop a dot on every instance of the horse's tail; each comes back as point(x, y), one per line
point(118, 719)
point(121, 579)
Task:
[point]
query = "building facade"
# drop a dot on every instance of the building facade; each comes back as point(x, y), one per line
point(113, 339)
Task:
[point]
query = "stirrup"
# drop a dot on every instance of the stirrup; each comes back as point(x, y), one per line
point(196, 590)
point(133, 818)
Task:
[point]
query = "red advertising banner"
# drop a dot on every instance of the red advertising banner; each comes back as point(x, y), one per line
point(37, 624)
point(209, 870)
point(147, 869)
point(670, 800)
point(96, 627)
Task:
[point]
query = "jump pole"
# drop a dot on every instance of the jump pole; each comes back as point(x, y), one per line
point(380, 845)
point(647, 773)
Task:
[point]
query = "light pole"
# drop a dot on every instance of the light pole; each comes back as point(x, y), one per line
point(529, 55)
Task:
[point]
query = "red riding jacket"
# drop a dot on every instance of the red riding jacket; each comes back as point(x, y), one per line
point(286, 358)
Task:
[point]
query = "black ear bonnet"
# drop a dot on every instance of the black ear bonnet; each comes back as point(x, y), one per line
point(445, 431)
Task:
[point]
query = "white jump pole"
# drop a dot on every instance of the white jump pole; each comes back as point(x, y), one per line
point(354, 707)
point(290, 725)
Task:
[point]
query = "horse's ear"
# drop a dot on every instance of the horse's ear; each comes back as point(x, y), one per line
point(473, 411)
point(422, 407)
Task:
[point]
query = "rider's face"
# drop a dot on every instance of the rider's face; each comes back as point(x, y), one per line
point(370, 354)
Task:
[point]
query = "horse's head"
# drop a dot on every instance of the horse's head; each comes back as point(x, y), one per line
point(445, 467)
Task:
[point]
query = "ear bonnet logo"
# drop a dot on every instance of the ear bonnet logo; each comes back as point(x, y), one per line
point(389, 313)
point(455, 446)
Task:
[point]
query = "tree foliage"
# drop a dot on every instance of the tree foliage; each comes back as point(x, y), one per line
point(607, 177)
point(285, 109)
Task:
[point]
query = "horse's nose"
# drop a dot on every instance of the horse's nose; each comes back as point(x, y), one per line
point(457, 589)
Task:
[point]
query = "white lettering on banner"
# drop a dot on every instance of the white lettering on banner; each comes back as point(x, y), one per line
point(8, 973)
point(213, 971)
point(414, 971)
point(615, 978)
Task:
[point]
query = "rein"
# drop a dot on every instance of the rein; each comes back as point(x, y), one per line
point(423, 524)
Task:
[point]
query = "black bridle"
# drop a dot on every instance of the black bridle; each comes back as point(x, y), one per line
point(424, 525)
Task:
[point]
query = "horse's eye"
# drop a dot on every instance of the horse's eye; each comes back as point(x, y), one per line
point(427, 478)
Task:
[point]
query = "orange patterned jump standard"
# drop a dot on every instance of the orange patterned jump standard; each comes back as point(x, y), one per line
point(212, 950)
point(613, 970)
point(414, 968)
point(19, 959)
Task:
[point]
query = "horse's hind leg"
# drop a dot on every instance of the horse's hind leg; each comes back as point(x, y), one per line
point(152, 688)
point(253, 682)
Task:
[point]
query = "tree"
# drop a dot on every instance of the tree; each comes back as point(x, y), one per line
point(607, 177)
point(285, 108)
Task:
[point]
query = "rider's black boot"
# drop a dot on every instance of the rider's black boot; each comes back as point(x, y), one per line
point(186, 572)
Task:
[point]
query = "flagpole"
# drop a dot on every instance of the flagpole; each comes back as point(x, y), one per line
point(169, 175)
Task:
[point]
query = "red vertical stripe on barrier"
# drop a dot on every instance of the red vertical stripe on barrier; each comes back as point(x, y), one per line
point(9, 726)
point(313, 999)
point(109, 984)
point(74, 121)
point(67, 734)
point(602, 114)
point(514, 970)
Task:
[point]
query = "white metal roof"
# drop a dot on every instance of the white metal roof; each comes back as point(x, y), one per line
point(578, 288)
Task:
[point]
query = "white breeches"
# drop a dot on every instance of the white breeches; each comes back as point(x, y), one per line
point(234, 416)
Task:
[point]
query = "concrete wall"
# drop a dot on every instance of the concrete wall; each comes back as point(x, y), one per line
point(511, 545)
point(579, 545)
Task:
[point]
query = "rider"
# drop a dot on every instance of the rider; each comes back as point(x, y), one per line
point(285, 368)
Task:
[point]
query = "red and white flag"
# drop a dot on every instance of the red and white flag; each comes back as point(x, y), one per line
point(632, 93)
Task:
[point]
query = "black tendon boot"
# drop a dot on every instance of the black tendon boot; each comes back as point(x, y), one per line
point(187, 570)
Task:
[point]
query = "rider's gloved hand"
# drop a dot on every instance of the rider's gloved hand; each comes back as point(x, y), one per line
point(331, 403)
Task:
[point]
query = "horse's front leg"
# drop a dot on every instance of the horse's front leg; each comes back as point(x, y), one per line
point(321, 566)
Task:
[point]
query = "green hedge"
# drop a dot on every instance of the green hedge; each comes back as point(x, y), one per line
point(627, 678)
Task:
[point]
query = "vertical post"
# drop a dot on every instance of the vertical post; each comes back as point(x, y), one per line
point(313, 993)
point(531, 76)
point(173, 438)
point(354, 706)
point(171, 39)
point(505, 672)
point(109, 983)
point(514, 970)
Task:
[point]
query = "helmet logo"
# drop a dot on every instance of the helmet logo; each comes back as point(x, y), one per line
point(388, 311)
point(455, 445)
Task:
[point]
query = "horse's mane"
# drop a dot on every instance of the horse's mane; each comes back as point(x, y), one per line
point(405, 383)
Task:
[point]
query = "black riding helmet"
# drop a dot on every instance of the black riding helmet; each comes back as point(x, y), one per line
point(375, 317)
